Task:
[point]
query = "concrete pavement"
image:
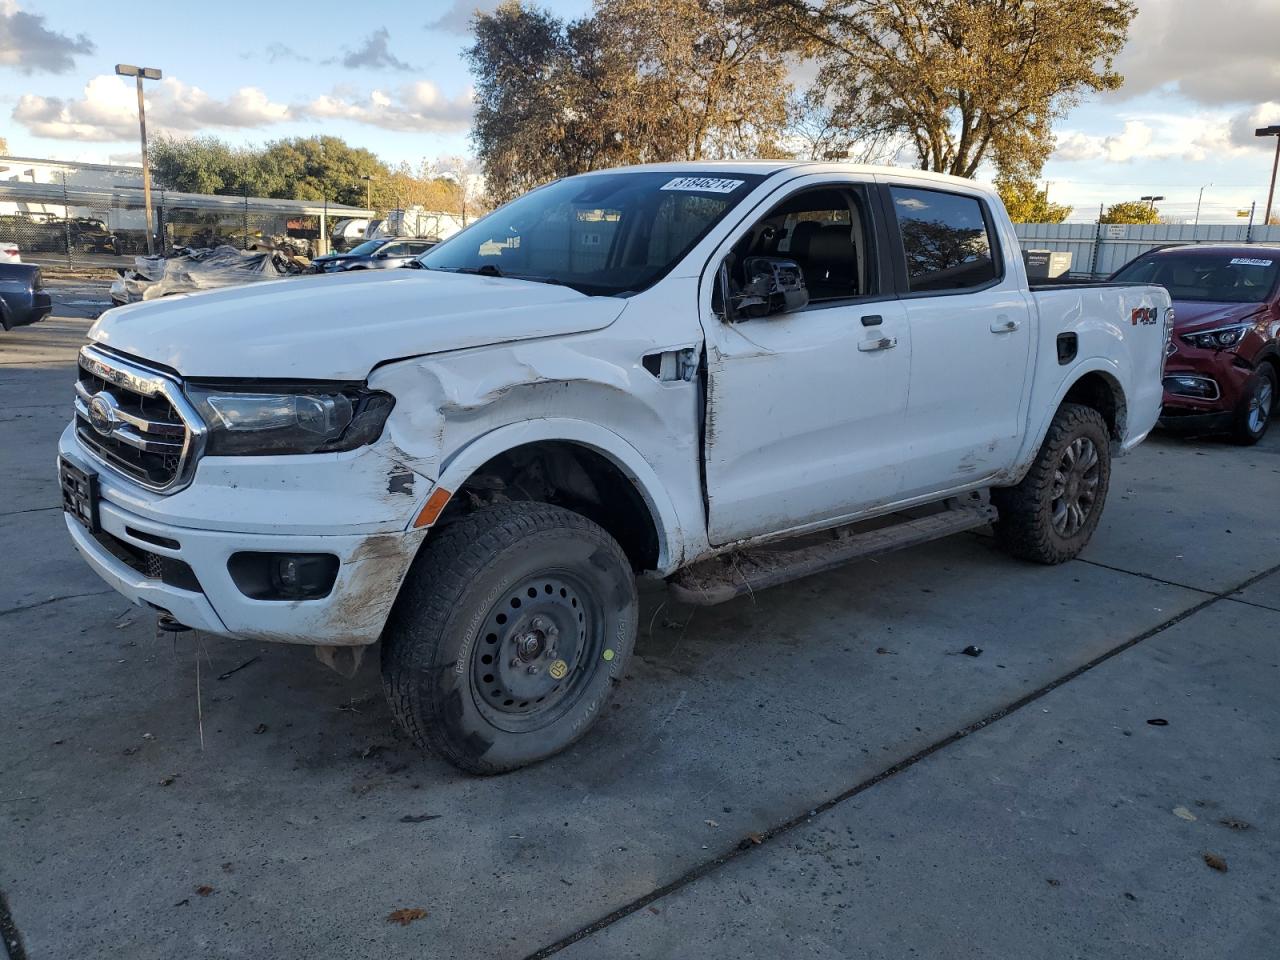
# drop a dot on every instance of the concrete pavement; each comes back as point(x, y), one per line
point(284, 835)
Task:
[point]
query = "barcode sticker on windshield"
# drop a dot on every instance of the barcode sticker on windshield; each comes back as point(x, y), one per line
point(703, 184)
point(1250, 262)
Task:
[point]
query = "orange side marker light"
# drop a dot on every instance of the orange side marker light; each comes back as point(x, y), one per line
point(432, 509)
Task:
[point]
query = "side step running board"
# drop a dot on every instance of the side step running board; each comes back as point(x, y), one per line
point(731, 575)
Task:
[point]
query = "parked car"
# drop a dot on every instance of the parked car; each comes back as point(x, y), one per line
point(373, 255)
point(1223, 375)
point(9, 252)
point(23, 299)
point(654, 370)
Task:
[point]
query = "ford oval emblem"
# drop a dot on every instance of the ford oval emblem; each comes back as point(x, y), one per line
point(102, 413)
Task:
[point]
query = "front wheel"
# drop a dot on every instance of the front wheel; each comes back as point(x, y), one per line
point(1050, 516)
point(509, 635)
point(1253, 416)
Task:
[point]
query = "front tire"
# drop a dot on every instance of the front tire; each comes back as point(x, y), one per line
point(1050, 516)
point(1253, 416)
point(514, 626)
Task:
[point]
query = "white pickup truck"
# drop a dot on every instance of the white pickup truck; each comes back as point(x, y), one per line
point(727, 375)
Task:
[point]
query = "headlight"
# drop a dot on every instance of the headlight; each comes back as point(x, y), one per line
point(290, 419)
point(1220, 338)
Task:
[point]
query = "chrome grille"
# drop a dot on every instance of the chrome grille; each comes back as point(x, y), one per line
point(136, 421)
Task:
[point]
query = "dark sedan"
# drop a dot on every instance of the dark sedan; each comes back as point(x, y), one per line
point(1223, 369)
point(23, 298)
point(382, 254)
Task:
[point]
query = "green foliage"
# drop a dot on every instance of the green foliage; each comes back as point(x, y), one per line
point(1131, 211)
point(301, 168)
point(1028, 203)
point(638, 81)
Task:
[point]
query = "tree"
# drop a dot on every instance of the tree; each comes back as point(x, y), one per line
point(4, 146)
point(1027, 203)
point(1131, 211)
point(637, 81)
point(965, 81)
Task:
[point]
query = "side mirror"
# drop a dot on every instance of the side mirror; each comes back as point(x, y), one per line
point(774, 285)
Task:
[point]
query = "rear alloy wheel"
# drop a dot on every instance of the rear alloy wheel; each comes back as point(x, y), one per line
point(1050, 516)
point(510, 633)
point(1253, 416)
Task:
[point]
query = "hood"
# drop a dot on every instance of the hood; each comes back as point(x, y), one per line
point(1199, 314)
point(340, 326)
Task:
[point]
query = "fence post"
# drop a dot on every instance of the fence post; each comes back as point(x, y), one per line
point(1097, 242)
point(1248, 231)
point(246, 216)
point(66, 220)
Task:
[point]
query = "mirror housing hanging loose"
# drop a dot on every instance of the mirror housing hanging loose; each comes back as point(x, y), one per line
point(774, 285)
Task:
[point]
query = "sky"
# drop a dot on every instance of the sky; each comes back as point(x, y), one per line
point(389, 76)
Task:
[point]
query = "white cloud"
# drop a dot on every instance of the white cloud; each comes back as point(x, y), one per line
point(29, 46)
point(108, 110)
point(416, 106)
point(1212, 53)
point(457, 19)
point(1211, 135)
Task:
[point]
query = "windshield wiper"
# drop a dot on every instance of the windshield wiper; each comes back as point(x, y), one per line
point(484, 270)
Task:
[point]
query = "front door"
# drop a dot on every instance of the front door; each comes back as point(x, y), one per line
point(804, 408)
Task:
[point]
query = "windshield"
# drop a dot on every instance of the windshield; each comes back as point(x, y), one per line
point(1211, 277)
point(366, 248)
point(603, 234)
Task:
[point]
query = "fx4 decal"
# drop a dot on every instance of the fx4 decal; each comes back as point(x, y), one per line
point(1145, 316)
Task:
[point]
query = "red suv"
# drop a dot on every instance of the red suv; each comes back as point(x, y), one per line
point(1222, 374)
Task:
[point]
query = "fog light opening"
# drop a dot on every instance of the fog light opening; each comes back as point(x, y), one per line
point(284, 576)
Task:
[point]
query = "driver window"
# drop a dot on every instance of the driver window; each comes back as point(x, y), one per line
point(826, 231)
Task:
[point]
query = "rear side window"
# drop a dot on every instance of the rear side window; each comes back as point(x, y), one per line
point(946, 241)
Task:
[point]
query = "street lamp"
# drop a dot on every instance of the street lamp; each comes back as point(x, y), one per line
point(143, 73)
point(1198, 200)
point(368, 190)
point(1272, 131)
point(1152, 200)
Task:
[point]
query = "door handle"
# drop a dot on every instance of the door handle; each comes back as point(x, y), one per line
point(1004, 325)
point(880, 343)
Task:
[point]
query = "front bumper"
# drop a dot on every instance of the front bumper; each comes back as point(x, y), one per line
point(372, 566)
point(1228, 373)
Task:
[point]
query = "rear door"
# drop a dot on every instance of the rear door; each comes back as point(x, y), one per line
point(804, 409)
point(970, 321)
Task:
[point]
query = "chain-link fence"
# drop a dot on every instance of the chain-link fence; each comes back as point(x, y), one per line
point(104, 224)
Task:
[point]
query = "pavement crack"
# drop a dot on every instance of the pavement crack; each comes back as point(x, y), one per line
point(1145, 576)
point(14, 513)
point(45, 603)
point(13, 947)
point(761, 839)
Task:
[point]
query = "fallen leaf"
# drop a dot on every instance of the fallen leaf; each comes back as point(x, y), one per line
point(1185, 814)
point(1215, 862)
point(148, 736)
point(204, 889)
point(406, 916)
point(1157, 722)
point(1234, 823)
point(654, 910)
point(420, 817)
point(884, 650)
point(1053, 883)
point(749, 840)
point(167, 781)
point(260, 728)
point(972, 651)
point(711, 823)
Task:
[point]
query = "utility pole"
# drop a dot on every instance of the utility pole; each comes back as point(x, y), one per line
point(1272, 131)
point(368, 190)
point(143, 73)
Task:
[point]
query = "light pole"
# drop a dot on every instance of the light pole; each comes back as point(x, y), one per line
point(1196, 225)
point(1151, 200)
point(368, 190)
point(1272, 131)
point(143, 73)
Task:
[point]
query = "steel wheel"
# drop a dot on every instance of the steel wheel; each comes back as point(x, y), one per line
point(532, 658)
point(1075, 487)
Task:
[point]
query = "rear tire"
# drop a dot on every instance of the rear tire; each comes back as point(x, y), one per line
point(1050, 516)
point(1253, 416)
point(509, 635)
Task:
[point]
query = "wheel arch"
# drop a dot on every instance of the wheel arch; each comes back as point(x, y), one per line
point(1093, 383)
point(586, 468)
